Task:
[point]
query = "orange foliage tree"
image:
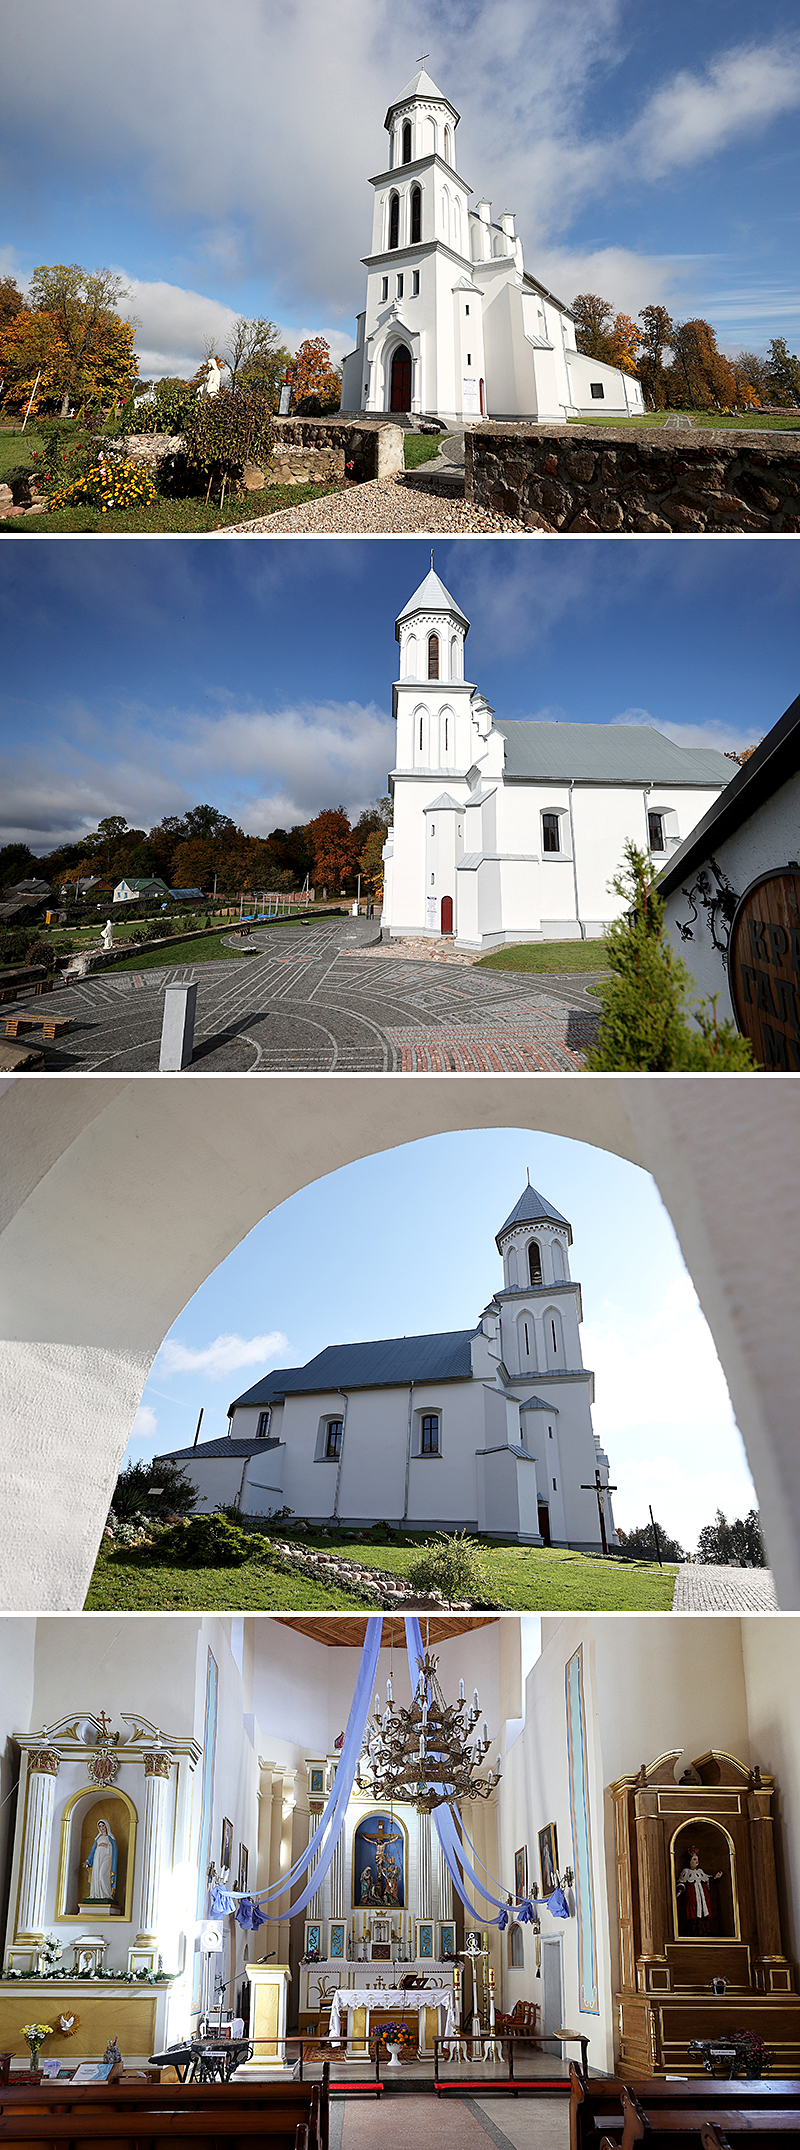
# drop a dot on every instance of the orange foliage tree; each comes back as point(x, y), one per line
point(312, 374)
point(34, 343)
point(331, 841)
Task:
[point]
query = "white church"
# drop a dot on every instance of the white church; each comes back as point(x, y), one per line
point(488, 1428)
point(454, 325)
point(509, 831)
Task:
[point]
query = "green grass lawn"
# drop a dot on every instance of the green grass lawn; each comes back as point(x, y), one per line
point(559, 956)
point(212, 950)
point(17, 449)
point(522, 1579)
point(718, 421)
point(421, 448)
point(166, 517)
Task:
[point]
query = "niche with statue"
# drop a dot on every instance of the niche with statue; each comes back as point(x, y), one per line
point(95, 1872)
point(700, 1926)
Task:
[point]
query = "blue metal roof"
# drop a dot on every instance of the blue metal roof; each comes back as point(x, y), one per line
point(533, 1209)
point(536, 1403)
point(206, 1451)
point(392, 1362)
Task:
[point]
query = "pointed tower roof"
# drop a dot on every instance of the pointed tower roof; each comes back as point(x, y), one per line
point(421, 85)
point(532, 1209)
point(431, 597)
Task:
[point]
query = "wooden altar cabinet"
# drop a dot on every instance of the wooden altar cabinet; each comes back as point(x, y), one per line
point(668, 1960)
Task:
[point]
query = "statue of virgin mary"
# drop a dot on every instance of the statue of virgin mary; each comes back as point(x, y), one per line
point(102, 1864)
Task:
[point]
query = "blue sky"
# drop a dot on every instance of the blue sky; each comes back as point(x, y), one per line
point(142, 677)
point(324, 1268)
point(219, 159)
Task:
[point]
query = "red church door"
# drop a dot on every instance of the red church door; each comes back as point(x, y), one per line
point(447, 914)
point(401, 379)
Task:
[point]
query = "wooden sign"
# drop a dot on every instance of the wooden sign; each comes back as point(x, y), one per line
point(764, 968)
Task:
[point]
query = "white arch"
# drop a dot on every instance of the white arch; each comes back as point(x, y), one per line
point(121, 1194)
point(553, 1337)
point(559, 1264)
point(526, 1340)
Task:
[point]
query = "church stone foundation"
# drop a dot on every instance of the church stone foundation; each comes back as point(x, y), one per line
point(577, 479)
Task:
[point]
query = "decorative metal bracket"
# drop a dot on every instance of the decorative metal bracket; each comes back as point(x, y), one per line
point(719, 904)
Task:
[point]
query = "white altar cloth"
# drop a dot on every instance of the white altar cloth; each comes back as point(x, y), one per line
point(391, 1997)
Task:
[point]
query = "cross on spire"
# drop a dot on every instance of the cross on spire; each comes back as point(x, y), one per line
point(422, 58)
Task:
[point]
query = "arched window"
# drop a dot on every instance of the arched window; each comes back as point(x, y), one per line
point(553, 1337)
point(559, 1270)
point(535, 1262)
point(407, 142)
point(416, 215)
point(454, 665)
point(394, 220)
point(433, 656)
point(448, 146)
point(526, 1339)
point(411, 657)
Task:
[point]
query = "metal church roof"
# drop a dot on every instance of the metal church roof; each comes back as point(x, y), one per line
point(431, 597)
point(390, 1362)
point(226, 1445)
point(605, 754)
point(533, 1209)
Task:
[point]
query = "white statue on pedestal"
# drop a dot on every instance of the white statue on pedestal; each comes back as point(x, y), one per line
point(102, 1864)
point(107, 935)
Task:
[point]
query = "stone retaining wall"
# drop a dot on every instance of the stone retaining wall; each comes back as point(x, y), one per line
point(372, 448)
point(574, 478)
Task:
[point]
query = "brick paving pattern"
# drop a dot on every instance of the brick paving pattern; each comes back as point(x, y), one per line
point(706, 1589)
point(321, 997)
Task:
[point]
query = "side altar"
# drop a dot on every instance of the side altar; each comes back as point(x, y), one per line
point(700, 1936)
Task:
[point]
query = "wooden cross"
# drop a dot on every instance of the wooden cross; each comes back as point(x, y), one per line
point(599, 1488)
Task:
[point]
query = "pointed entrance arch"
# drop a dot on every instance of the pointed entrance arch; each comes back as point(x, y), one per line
point(400, 398)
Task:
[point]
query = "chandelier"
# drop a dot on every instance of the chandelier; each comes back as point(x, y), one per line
point(429, 1755)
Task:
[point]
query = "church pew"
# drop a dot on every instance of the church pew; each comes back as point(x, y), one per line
point(144, 2111)
point(596, 2105)
point(667, 2124)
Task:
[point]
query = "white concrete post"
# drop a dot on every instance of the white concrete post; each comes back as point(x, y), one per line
point(177, 1030)
point(43, 1767)
point(157, 1767)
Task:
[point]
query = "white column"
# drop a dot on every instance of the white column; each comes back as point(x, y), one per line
point(157, 1767)
point(315, 1814)
point(443, 1887)
point(43, 1767)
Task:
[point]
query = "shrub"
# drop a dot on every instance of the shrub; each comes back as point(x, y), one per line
point(452, 1564)
point(206, 1541)
point(645, 1021)
point(639, 1544)
point(228, 430)
point(736, 1545)
point(107, 484)
point(133, 1497)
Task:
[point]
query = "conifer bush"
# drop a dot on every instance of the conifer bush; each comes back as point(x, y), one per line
point(646, 1021)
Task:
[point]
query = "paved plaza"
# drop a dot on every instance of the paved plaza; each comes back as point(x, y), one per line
point(326, 998)
point(701, 1588)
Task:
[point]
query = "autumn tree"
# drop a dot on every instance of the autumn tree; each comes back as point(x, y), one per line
point(331, 839)
point(623, 344)
point(783, 374)
point(11, 299)
point(83, 307)
point(256, 358)
point(593, 321)
point(655, 337)
point(701, 377)
point(313, 375)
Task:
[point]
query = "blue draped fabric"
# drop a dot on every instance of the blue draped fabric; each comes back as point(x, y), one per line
point(317, 1857)
point(455, 1857)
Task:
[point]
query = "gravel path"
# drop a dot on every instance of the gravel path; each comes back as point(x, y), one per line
point(705, 1589)
point(383, 505)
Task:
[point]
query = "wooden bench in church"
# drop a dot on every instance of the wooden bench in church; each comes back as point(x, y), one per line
point(135, 2116)
point(603, 2107)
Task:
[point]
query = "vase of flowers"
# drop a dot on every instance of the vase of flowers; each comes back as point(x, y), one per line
point(34, 2033)
point(751, 2054)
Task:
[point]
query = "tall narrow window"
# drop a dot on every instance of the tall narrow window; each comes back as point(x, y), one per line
point(534, 1263)
point(429, 1434)
point(527, 1341)
point(333, 1437)
point(262, 1429)
point(407, 142)
point(394, 220)
point(446, 724)
point(433, 656)
point(655, 830)
point(420, 735)
point(415, 283)
point(554, 1337)
point(551, 838)
point(416, 215)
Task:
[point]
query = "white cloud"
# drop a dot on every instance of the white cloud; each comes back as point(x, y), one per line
point(268, 768)
point(717, 732)
point(145, 1424)
point(226, 1355)
point(693, 117)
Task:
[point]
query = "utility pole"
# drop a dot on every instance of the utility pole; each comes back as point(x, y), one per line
point(599, 1488)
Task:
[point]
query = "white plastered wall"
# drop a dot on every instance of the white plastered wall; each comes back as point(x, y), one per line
point(215, 1157)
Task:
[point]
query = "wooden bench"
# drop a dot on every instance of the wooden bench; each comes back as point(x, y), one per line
point(16, 1025)
point(54, 1026)
point(596, 2106)
point(133, 2116)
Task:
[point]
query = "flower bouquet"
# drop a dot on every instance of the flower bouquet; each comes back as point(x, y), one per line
point(394, 2040)
point(751, 2053)
point(34, 2034)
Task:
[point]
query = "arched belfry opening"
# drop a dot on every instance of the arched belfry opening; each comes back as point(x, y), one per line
point(433, 656)
point(394, 220)
point(416, 215)
point(534, 1262)
point(407, 142)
